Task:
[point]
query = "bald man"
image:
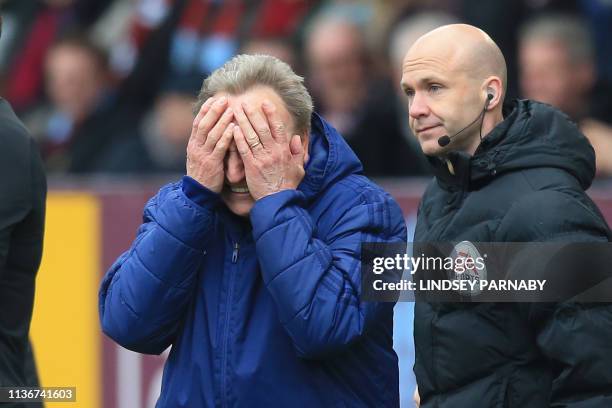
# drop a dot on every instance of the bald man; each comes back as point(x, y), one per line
point(502, 174)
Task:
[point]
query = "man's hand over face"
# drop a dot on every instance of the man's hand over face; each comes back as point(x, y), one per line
point(211, 136)
point(273, 160)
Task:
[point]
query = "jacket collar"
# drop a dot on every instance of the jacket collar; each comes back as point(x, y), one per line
point(330, 158)
point(459, 170)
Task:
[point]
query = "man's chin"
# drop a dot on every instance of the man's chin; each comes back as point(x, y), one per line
point(432, 148)
point(238, 203)
point(241, 211)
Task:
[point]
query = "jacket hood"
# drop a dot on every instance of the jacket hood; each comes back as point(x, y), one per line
point(532, 135)
point(331, 158)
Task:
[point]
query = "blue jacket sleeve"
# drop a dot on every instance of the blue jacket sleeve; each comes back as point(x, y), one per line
point(314, 276)
point(146, 291)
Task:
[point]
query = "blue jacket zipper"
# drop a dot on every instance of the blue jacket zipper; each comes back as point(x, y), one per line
point(228, 306)
point(235, 253)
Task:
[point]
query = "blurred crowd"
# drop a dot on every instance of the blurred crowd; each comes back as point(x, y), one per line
point(108, 86)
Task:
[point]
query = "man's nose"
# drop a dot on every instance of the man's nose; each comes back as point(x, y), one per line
point(234, 167)
point(417, 106)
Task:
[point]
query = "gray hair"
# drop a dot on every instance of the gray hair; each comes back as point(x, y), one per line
point(243, 72)
point(570, 31)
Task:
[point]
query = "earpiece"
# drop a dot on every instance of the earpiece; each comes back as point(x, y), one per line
point(490, 97)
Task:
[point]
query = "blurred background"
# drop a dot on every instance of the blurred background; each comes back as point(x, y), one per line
point(107, 87)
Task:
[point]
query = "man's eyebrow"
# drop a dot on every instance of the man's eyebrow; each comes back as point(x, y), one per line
point(429, 79)
point(424, 80)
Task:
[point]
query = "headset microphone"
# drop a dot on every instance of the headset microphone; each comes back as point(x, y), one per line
point(446, 139)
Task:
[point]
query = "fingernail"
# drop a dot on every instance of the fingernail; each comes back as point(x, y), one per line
point(229, 111)
point(268, 105)
point(222, 101)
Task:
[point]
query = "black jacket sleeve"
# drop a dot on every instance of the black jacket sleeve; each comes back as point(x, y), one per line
point(573, 337)
point(22, 211)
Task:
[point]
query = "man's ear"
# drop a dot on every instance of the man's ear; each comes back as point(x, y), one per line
point(495, 88)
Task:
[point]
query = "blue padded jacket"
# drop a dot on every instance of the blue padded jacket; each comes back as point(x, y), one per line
point(265, 313)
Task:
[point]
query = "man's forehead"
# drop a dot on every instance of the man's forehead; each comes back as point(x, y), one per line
point(433, 64)
point(425, 69)
point(425, 61)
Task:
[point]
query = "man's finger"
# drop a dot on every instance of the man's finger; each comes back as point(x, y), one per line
point(296, 148)
point(277, 126)
point(248, 132)
point(221, 147)
point(210, 119)
point(205, 107)
point(259, 123)
point(216, 133)
point(241, 144)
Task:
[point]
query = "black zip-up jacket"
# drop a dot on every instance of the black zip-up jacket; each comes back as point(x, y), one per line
point(525, 183)
point(23, 190)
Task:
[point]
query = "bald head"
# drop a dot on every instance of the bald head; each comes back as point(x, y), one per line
point(465, 48)
point(451, 74)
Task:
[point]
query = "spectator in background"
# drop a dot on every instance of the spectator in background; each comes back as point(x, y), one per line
point(338, 68)
point(83, 118)
point(273, 46)
point(186, 36)
point(354, 99)
point(171, 35)
point(557, 66)
point(599, 15)
point(33, 26)
point(161, 142)
point(166, 131)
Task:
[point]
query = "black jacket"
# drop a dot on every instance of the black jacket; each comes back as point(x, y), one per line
point(524, 183)
point(22, 209)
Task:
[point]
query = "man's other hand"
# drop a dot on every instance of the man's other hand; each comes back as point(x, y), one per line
point(211, 136)
point(273, 160)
